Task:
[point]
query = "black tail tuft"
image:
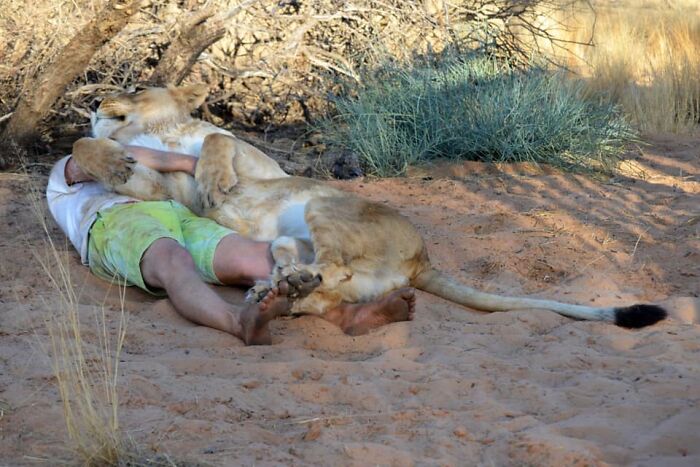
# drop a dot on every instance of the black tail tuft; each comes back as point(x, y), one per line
point(638, 316)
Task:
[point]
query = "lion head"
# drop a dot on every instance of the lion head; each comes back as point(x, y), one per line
point(128, 114)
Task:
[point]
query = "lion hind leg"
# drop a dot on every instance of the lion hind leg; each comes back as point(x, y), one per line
point(310, 297)
point(301, 282)
point(326, 280)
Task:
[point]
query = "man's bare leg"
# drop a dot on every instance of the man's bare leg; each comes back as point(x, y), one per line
point(167, 265)
point(240, 261)
point(360, 318)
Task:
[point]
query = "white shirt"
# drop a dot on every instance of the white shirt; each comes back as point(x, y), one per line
point(74, 207)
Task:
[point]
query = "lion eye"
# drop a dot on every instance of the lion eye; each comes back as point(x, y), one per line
point(136, 89)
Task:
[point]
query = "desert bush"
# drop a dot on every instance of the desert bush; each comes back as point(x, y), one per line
point(274, 63)
point(474, 109)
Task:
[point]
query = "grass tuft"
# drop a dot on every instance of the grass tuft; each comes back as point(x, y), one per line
point(646, 57)
point(85, 360)
point(475, 109)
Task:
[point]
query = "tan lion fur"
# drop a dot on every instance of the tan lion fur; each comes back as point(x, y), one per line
point(361, 249)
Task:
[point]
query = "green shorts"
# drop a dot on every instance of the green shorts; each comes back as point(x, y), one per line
point(122, 234)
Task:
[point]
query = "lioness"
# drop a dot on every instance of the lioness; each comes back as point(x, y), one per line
point(361, 249)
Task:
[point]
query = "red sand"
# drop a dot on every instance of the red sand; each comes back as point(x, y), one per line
point(454, 387)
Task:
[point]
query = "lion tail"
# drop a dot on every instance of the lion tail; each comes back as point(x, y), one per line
point(442, 285)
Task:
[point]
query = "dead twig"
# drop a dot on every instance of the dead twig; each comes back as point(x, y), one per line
point(636, 244)
point(44, 89)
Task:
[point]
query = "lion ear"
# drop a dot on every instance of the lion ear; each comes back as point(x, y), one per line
point(191, 96)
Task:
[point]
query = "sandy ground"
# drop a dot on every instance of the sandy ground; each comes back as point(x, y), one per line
point(454, 387)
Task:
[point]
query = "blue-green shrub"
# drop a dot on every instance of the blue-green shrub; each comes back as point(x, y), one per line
point(474, 109)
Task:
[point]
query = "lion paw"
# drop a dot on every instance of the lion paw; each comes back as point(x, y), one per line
point(104, 160)
point(302, 283)
point(302, 279)
point(259, 291)
point(214, 182)
point(121, 170)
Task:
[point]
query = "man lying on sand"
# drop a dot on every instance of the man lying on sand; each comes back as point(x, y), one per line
point(161, 246)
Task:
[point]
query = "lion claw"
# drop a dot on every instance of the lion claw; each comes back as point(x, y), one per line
point(302, 283)
point(121, 171)
point(256, 293)
point(214, 182)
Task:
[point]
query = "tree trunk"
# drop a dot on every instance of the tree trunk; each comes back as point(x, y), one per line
point(44, 89)
point(198, 32)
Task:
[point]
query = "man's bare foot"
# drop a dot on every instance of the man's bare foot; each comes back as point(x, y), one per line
point(255, 317)
point(361, 318)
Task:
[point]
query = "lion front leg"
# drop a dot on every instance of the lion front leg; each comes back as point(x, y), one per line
point(215, 174)
point(288, 254)
point(325, 279)
point(109, 163)
point(288, 251)
point(301, 284)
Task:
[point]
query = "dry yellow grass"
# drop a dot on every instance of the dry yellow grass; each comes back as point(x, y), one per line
point(645, 56)
point(85, 360)
point(86, 374)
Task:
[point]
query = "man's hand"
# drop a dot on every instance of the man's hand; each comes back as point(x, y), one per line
point(75, 174)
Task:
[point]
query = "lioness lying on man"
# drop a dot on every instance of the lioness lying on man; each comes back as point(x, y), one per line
point(361, 249)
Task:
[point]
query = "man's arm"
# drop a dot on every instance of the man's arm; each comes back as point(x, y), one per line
point(161, 161)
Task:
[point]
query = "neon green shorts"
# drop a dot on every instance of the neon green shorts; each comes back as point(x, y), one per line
point(122, 234)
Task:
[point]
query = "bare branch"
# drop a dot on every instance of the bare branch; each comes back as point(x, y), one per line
point(198, 32)
point(44, 89)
